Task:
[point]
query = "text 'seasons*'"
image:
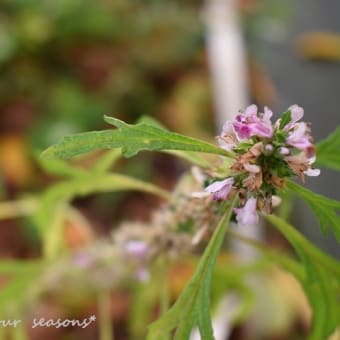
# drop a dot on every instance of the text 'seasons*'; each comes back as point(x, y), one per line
point(55, 323)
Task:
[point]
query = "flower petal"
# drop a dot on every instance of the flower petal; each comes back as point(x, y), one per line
point(312, 172)
point(251, 110)
point(248, 214)
point(252, 168)
point(220, 189)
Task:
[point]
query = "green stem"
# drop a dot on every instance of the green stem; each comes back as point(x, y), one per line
point(164, 286)
point(105, 323)
point(53, 239)
point(18, 208)
point(19, 333)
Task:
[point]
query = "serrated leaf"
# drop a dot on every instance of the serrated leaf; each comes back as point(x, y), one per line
point(190, 156)
point(325, 209)
point(328, 154)
point(321, 282)
point(193, 305)
point(131, 139)
point(143, 136)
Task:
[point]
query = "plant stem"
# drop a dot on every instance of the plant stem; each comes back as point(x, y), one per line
point(106, 331)
point(165, 299)
point(164, 288)
point(18, 208)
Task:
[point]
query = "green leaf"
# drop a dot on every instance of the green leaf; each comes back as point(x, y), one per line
point(190, 156)
point(321, 282)
point(107, 160)
point(131, 139)
point(324, 208)
point(328, 154)
point(17, 266)
point(20, 287)
point(285, 119)
point(193, 306)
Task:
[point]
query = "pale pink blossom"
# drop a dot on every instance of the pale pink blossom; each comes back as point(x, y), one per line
point(136, 248)
point(299, 137)
point(83, 259)
point(142, 275)
point(228, 139)
point(297, 113)
point(247, 215)
point(251, 110)
point(220, 189)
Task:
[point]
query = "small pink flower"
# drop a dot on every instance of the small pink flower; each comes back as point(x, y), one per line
point(220, 189)
point(228, 139)
point(83, 259)
point(142, 275)
point(248, 214)
point(299, 137)
point(296, 114)
point(251, 110)
point(262, 127)
point(136, 248)
point(249, 124)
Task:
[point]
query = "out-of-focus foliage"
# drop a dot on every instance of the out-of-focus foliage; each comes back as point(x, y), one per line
point(65, 63)
point(317, 272)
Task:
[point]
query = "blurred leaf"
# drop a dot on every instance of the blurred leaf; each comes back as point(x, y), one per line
point(106, 161)
point(321, 283)
point(193, 305)
point(17, 266)
point(325, 209)
point(67, 190)
point(17, 289)
point(53, 240)
point(131, 138)
point(144, 299)
point(328, 154)
point(60, 167)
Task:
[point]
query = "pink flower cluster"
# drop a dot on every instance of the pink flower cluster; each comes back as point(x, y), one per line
point(266, 154)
